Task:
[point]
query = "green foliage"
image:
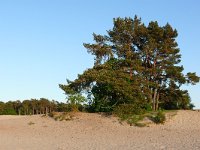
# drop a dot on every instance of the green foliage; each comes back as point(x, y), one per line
point(159, 118)
point(34, 106)
point(1, 107)
point(174, 98)
point(75, 101)
point(192, 78)
point(191, 106)
point(134, 64)
point(51, 114)
point(147, 107)
point(133, 119)
point(129, 109)
point(7, 109)
point(63, 107)
point(61, 116)
point(130, 113)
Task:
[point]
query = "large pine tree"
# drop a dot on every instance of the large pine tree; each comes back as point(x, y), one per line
point(134, 64)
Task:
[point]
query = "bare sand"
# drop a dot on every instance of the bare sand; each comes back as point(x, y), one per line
point(95, 132)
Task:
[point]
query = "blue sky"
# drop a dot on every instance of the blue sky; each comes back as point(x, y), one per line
point(41, 41)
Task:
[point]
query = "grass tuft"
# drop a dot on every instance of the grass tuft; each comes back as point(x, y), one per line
point(31, 123)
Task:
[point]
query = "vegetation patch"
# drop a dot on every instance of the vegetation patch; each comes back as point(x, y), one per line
point(159, 118)
point(31, 123)
point(142, 120)
point(57, 116)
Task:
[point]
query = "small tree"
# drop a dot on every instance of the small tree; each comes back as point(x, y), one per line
point(76, 100)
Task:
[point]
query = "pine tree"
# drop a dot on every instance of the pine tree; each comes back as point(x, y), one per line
point(134, 64)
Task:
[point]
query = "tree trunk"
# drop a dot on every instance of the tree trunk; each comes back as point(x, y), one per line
point(43, 110)
point(157, 100)
point(37, 111)
point(46, 111)
point(50, 110)
point(154, 100)
point(33, 112)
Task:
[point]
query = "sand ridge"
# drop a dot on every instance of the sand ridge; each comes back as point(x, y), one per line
point(94, 131)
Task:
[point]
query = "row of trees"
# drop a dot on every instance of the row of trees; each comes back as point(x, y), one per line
point(136, 66)
point(32, 107)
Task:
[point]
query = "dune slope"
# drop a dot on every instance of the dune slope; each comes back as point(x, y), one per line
point(93, 131)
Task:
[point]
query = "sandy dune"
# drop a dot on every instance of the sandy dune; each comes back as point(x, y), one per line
point(92, 131)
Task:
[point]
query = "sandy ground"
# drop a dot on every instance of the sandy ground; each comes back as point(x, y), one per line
point(95, 132)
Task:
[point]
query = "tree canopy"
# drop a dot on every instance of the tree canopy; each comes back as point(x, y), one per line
point(134, 64)
point(32, 107)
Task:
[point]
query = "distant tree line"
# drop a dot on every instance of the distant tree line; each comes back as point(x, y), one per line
point(32, 107)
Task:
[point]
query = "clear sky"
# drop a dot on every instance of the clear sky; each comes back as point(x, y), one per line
point(41, 41)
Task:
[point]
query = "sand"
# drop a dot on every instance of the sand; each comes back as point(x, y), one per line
point(96, 132)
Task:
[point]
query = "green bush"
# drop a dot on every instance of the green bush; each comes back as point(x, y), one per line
point(58, 116)
point(51, 114)
point(133, 119)
point(9, 112)
point(191, 106)
point(148, 107)
point(128, 109)
point(129, 113)
point(159, 118)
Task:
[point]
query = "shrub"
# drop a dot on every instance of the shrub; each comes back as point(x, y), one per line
point(159, 118)
point(132, 113)
point(148, 107)
point(191, 106)
point(133, 119)
point(31, 123)
point(57, 116)
point(51, 114)
point(9, 111)
point(128, 109)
